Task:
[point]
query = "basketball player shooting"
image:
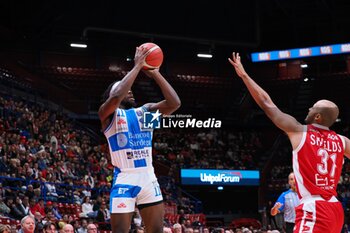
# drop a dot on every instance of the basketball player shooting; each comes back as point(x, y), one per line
point(318, 155)
point(130, 145)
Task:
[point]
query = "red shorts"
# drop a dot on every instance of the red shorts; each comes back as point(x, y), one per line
point(319, 216)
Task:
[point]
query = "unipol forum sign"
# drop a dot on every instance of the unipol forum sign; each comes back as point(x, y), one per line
point(220, 177)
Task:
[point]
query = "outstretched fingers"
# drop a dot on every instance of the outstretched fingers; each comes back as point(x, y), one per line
point(236, 58)
point(230, 60)
point(233, 61)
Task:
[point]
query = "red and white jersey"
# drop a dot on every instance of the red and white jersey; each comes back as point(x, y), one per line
point(317, 162)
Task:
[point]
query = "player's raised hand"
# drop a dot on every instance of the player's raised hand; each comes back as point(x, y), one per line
point(236, 63)
point(140, 56)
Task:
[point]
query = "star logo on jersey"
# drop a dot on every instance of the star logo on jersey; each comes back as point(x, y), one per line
point(151, 120)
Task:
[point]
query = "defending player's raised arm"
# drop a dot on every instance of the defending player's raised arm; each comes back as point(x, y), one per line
point(171, 100)
point(282, 120)
point(121, 90)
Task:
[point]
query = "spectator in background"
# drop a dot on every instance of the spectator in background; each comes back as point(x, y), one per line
point(54, 144)
point(196, 223)
point(32, 203)
point(39, 222)
point(68, 228)
point(97, 203)
point(83, 226)
point(177, 228)
point(27, 224)
point(13, 228)
point(4, 229)
point(4, 209)
point(30, 192)
point(15, 212)
point(189, 230)
point(39, 207)
point(187, 224)
point(49, 227)
point(76, 225)
point(20, 206)
point(51, 192)
point(137, 219)
point(103, 214)
point(52, 206)
point(86, 192)
point(49, 217)
point(63, 221)
point(25, 205)
point(87, 208)
point(182, 217)
point(9, 202)
point(91, 228)
point(167, 229)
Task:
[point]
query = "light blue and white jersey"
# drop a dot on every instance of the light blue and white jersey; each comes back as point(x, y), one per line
point(130, 145)
point(289, 200)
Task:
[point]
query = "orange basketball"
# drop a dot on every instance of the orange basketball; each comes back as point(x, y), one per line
point(155, 58)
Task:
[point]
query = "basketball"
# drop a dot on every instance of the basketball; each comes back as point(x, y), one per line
point(155, 58)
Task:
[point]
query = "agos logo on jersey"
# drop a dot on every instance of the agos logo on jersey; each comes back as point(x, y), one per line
point(121, 124)
point(153, 120)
